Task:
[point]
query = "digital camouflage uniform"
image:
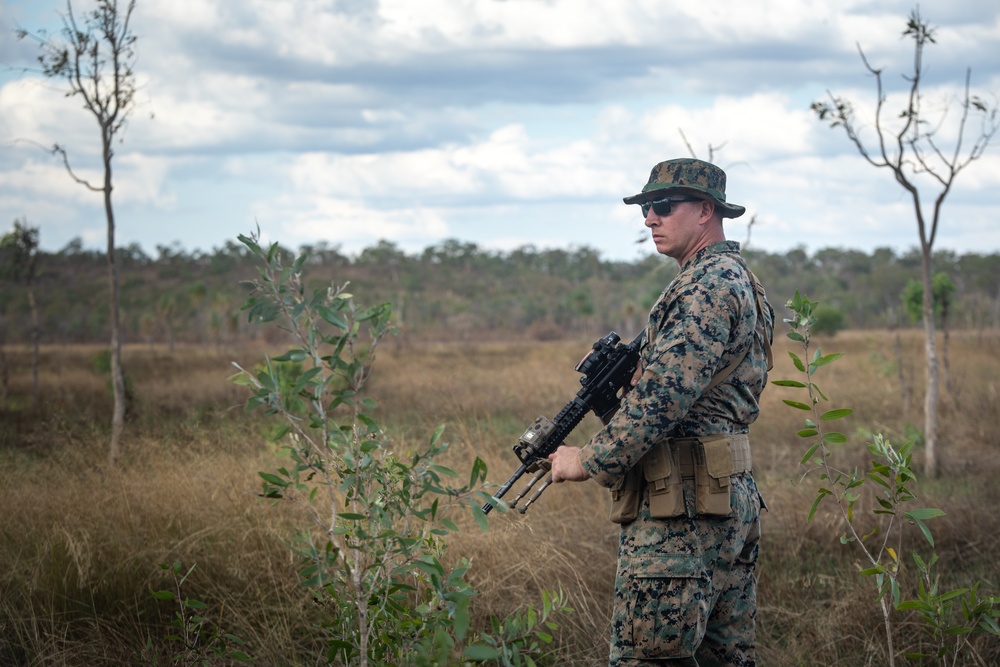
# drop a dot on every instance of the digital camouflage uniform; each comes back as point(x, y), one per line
point(685, 587)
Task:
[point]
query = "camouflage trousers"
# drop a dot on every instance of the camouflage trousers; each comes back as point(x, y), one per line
point(685, 590)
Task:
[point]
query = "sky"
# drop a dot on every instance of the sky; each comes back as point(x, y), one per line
point(503, 123)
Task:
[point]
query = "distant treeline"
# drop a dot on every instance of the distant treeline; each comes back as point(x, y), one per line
point(457, 290)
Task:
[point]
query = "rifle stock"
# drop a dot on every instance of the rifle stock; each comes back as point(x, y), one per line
point(607, 371)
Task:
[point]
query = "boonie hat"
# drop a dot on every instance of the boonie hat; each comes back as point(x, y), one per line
point(688, 176)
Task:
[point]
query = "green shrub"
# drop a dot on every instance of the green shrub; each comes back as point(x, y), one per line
point(373, 555)
point(880, 545)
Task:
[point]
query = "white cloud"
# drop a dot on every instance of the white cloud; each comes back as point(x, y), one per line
point(37, 110)
point(141, 179)
point(501, 122)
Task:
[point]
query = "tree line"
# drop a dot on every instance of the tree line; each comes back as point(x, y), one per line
point(456, 290)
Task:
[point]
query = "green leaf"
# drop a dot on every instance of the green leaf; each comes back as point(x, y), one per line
point(478, 472)
point(918, 516)
point(279, 432)
point(798, 362)
point(835, 438)
point(797, 405)
point(924, 513)
point(810, 453)
point(912, 604)
point(925, 530)
point(443, 470)
point(480, 653)
point(951, 595)
point(789, 383)
point(331, 317)
point(815, 505)
point(163, 595)
point(293, 355)
point(273, 479)
point(828, 359)
point(807, 433)
point(836, 414)
point(379, 311)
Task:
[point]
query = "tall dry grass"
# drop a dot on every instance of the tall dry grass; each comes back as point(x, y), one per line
point(80, 543)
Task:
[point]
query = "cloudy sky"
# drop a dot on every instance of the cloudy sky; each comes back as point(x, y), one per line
point(503, 123)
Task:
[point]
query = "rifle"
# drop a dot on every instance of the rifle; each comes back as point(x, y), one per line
point(607, 371)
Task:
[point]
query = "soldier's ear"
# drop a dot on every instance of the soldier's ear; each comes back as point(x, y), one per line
point(707, 210)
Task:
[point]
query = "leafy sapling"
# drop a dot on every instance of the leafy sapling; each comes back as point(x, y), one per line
point(374, 554)
point(201, 642)
point(890, 471)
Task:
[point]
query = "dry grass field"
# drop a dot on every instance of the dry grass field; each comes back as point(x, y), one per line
point(80, 543)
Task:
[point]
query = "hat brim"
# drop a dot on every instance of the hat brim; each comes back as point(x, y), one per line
point(727, 210)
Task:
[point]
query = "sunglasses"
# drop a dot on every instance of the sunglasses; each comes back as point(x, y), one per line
point(662, 207)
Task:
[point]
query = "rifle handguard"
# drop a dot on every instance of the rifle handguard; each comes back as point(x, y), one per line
point(607, 373)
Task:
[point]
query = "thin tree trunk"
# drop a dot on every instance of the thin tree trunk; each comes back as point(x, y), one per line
point(931, 398)
point(948, 387)
point(887, 622)
point(117, 373)
point(4, 372)
point(905, 383)
point(35, 334)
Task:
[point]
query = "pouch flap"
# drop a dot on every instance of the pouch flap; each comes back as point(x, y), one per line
point(629, 481)
point(718, 457)
point(656, 464)
point(619, 483)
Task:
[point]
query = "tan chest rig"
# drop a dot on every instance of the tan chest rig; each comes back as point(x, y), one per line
point(709, 460)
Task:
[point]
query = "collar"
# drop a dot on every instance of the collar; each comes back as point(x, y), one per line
point(718, 247)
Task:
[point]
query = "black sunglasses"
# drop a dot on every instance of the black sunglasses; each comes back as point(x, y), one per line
point(662, 207)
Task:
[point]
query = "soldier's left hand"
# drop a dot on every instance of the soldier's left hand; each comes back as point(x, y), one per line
point(566, 466)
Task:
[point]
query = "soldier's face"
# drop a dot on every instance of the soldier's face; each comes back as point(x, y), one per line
point(677, 233)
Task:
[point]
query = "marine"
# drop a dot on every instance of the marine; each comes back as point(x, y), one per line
point(676, 455)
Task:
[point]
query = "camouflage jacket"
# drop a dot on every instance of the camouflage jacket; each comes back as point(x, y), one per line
point(704, 320)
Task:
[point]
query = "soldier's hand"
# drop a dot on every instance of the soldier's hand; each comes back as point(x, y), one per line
point(566, 466)
point(638, 373)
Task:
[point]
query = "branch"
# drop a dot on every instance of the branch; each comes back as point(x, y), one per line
point(83, 64)
point(687, 143)
point(59, 150)
point(843, 115)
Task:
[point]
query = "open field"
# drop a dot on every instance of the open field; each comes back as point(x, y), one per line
point(80, 544)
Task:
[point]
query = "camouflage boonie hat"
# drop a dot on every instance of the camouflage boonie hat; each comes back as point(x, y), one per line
point(691, 177)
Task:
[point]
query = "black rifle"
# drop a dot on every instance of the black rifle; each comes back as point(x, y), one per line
point(607, 373)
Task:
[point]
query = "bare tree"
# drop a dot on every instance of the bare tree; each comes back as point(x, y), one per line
point(95, 58)
point(911, 151)
point(19, 252)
